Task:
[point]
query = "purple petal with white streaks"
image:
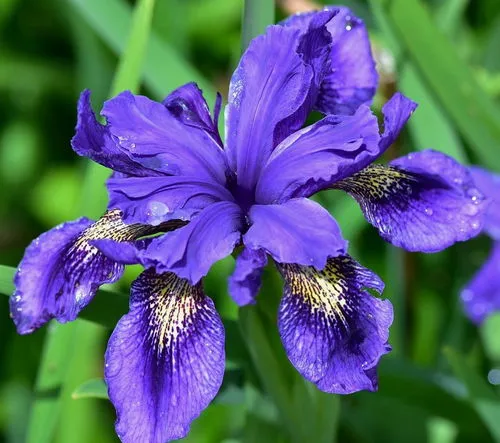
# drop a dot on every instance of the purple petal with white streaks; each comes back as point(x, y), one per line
point(165, 359)
point(334, 332)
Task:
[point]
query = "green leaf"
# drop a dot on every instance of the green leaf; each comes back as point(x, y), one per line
point(449, 14)
point(58, 184)
point(83, 365)
point(95, 388)
point(128, 73)
point(127, 76)
point(267, 365)
point(59, 344)
point(257, 16)
point(164, 68)
point(429, 126)
point(490, 331)
point(453, 83)
point(481, 396)
point(6, 279)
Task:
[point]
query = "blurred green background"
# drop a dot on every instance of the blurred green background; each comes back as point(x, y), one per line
point(434, 386)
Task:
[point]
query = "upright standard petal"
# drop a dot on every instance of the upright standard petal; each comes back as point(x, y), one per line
point(191, 250)
point(154, 200)
point(489, 184)
point(352, 78)
point(425, 201)
point(298, 231)
point(245, 282)
point(333, 330)
point(188, 104)
point(165, 359)
point(160, 139)
point(314, 42)
point(315, 157)
point(481, 296)
point(61, 270)
point(270, 84)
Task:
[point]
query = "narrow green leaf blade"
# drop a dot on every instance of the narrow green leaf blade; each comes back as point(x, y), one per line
point(484, 400)
point(95, 388)
point(128, 74)
point(257, 16)
point(59, 344)
point(6, 279)
point(472, 111)
point(164, 68)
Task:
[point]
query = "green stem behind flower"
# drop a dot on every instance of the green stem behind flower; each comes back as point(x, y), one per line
point(257, 16)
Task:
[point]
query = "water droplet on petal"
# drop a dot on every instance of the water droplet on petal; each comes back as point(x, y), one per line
point(429, 211)
point(471, 209)
point(156, 211)
point(467, 295)
point(348, 23)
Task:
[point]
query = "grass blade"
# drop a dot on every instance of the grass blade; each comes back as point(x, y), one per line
point(470, 108)
point(95, 388)
point(483, 399)
point(59, 345)
point(164, 68)
point(257, 16)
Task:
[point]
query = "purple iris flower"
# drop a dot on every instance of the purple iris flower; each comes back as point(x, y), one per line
point(202, 199)
point(481, 296)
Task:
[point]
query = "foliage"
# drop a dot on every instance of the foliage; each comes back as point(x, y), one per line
point(434, 386)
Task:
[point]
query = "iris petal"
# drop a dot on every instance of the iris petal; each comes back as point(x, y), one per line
point(316, 156)
point(245, 282)
point(154, 200)
point(165, 359)
point(396, 111)
point(481, 296)
point(191, 250)
point(159, 138)
point(61, 270)
point(352, 78)
point(489, 184)
point(333, 330)
point(94, 141)
point(425, 201)
point(188, 104)
point(270, 84)
point(298, 231)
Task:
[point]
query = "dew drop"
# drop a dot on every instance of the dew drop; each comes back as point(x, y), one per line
point(156, 212)
point(428, 211)
point(157, 208)
point(471, 209)
point(494, 377)
point(474, 194)
point(475, 224)
point(467, 295)
point(348, 23)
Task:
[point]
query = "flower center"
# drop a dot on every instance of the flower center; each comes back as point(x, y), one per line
point(244, 197)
